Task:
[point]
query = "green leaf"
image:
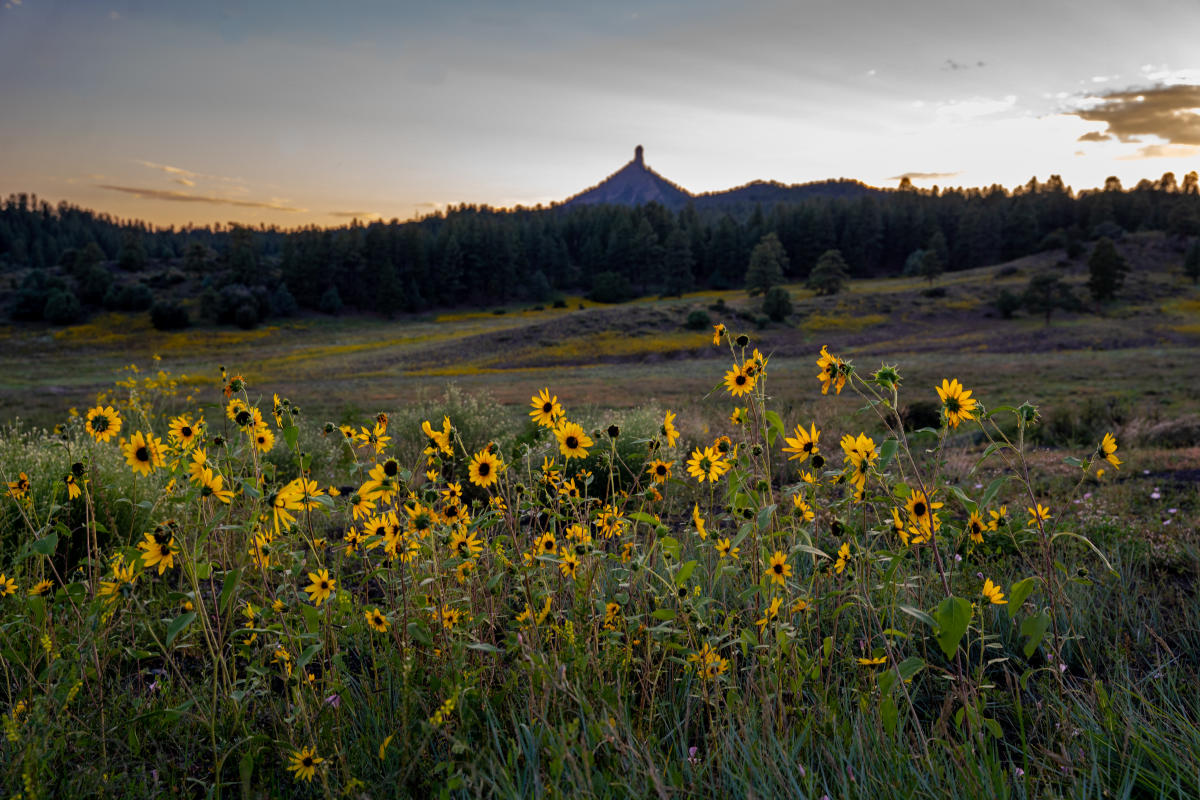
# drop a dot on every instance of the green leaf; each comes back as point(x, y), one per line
point(307, 655)
point(664, 614)
point(46, 545)
point(967, 502)
point(764, 517)
point(484, 647)
point(227, 588)
point(312, 618)
point(1071, 461)
point(952, 616)
point(993, 489)
point(901, 490)
point(670, 545)
point(1034, 630)
point(685, 572)
point(1088, 542)
point(918, 614)
point(291, 435)
point(178, 625)
point(910, 667)
point(37, 609)
point(1018, 593)
point(642, 516)
point(774, 427)
point(887, 452)
point(888, 714)
point(420, 634)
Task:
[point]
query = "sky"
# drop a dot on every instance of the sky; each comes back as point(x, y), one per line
point(300, 113)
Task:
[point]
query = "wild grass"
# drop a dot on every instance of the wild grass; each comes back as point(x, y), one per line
point(637, 656)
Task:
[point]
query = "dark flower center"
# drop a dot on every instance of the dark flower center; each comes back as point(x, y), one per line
point(778, 568)
point(572, 442)
point(660, 469)
point(307, 761)
point(142, 454)
point(919, 509)
point(391, 468)
point(740, 380)
point(484, 469)
point(100, 424)
point(547, 408)
point(185, 432)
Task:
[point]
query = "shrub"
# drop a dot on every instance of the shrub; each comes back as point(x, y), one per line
point(283, 304)
point(830, 275)
point(95, 284)
point(331, 301)
point(777, 304)
point(130, 297)
point(62, 308)
point(610, 287)
point(166, 315)
point(246, 316)
point(698, 320)
point(1007, 303)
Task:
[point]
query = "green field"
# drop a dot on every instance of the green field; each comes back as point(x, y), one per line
point(576, 629)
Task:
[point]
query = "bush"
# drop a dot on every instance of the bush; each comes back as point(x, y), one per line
point(610, 287)
point(331, 301)
point(94, 285)
point(166, 315)
point(560, 302)
point(936, 291)
point(777, 304)
point(698, 320)
point(246, 316)
point(130, 297)
point(62, 308)
point(283, 303)
point(1007, 303)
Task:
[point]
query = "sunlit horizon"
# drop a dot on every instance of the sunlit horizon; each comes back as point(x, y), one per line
point(301, 114)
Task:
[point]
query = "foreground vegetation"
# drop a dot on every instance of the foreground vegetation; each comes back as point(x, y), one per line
point(214, 594)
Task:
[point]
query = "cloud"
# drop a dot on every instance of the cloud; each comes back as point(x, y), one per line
point(187, 174)
point(923, 176)
point(1162, 151)
point(950, 65)
point(1171, 113)
point(354, 214)
point(275, 204)
point(1094, 136)
point(975, 107)
point(185, 182)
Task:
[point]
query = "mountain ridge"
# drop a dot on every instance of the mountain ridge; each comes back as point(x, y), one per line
point(637, 184)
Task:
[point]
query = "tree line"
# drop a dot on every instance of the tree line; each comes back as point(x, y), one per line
point(480, 256)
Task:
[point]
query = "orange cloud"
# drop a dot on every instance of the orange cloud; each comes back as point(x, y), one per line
point(184, 197)
point(1171, 113)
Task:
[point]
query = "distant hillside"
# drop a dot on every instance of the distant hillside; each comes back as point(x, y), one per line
point(636, 184)
point(633, 185)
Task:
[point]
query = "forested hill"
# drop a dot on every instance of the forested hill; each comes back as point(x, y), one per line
point(472, 255)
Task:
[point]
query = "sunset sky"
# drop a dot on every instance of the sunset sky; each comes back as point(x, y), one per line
point(298, 113)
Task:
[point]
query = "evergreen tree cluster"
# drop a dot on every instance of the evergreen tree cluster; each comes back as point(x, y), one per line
point(479, 256)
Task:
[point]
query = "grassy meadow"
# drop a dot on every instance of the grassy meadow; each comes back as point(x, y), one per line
point(897, 546)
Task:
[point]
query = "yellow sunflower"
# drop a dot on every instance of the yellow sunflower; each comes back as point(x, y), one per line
point(1108, 446)
point(956, 402)
point(158, 549)
point(803, 444)
point(739, 381)
point(706, 465)
point(321, 588)
point(103, 423)
point(669, 431)
point(572, 441)
point(264, 439)
point(184, 432)
point(304, 763)
point(546, 409)
point(660, 471)
point(485, 468)
point(377, 620)
point(143, 452)
point(778, 569)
